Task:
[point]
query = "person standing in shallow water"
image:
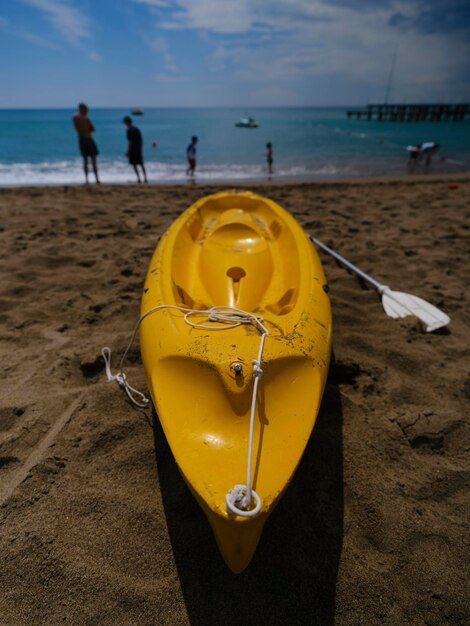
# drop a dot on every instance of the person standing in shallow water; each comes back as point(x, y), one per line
point(191, 157)
point(269, 157)
point(86, 143)
point(134, 148)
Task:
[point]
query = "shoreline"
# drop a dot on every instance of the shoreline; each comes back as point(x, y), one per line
point(425, 177)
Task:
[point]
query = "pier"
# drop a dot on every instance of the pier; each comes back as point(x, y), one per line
point(411, 112)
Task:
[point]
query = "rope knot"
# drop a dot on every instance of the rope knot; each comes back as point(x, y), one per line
point(238, 501)
point(239, 497)
point(257, 371)
point(120, 377)
point(213, 316)
point(137, 398)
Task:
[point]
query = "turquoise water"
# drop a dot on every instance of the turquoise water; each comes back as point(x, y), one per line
point(40, 146)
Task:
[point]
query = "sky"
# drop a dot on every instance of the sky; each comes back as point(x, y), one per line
point(165, 53)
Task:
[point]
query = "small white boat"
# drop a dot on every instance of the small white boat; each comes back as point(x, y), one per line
point(137, 111)
point(247, 122)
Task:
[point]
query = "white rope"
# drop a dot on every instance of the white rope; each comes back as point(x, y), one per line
point(120, 378)
point(238, 499)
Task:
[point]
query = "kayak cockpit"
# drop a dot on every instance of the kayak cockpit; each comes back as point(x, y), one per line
point(231, 258)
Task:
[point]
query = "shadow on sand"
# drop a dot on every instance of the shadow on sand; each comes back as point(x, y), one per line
point(292, 577)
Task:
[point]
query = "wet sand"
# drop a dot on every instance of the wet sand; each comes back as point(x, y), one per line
point(98, 526)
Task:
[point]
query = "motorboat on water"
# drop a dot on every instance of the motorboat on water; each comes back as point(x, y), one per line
point(247, 122)
point(137, 111)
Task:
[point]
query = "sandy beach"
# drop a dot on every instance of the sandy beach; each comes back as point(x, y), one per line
point(97, 525)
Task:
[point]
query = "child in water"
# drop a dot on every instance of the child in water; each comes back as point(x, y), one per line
point(269, 157)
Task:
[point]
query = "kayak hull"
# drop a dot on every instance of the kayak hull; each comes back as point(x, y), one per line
point(244, 251)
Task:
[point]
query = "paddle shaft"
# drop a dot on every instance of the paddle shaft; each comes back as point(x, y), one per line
point(349, 265)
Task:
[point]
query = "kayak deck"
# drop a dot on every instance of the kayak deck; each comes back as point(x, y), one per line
point(236, 250)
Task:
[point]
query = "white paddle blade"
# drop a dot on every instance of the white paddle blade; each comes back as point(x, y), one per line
point(398, 304)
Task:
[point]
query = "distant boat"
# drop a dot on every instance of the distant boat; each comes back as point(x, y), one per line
point(247, 122)
point(137, 111)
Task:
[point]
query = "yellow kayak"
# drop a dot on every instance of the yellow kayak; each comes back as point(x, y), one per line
point(235, 340)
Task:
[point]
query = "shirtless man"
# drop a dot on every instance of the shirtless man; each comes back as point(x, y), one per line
point(86, 143)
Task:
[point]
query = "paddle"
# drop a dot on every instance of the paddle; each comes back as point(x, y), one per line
point(396, 303)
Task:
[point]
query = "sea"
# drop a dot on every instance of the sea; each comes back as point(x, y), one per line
point(39, 146)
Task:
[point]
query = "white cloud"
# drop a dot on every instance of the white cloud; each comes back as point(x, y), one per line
point(160, 46)
point(157, 44)
point(239, 16)
point(354, 45)
point(280, 42)
point(219, 59)
point(155, 3)
point(69, 21)
point(37, 40)
point(170, 64)
point(94, 56)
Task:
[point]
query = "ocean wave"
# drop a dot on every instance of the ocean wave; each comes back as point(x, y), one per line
point(70, 172)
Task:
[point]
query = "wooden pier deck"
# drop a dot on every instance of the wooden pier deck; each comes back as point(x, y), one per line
point(411, 112)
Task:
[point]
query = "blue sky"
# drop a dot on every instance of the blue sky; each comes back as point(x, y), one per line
point(55, 53)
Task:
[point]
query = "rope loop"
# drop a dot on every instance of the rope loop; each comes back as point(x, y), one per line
point(238, 501)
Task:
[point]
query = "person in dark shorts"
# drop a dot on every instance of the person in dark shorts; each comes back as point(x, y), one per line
point(134, 148)
point(428, 150)
point(86, 143)
point(413, 155)
point(269, 157)
point(191, 157)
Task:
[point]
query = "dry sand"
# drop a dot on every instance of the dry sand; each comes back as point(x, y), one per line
point(97, 527)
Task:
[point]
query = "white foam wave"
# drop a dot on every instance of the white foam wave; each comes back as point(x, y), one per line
point(70, 172)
